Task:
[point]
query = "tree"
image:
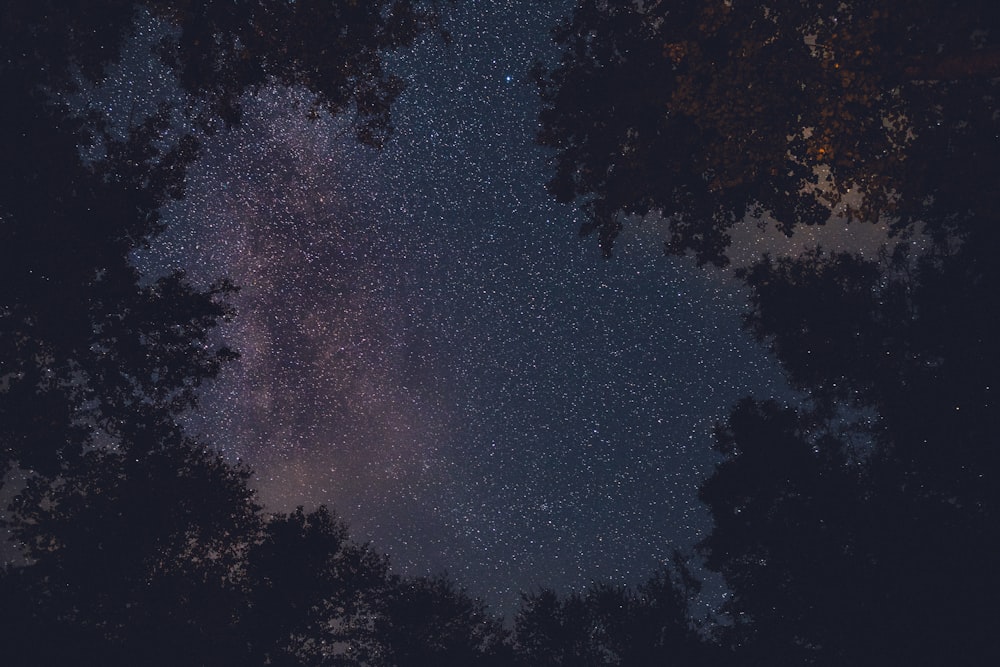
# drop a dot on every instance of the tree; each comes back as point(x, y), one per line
point(80, 333)
point(610, 625)
point(91, 353)
point(857, 529)
point(131, 560)
point(333, 49)
point(835, 557)
point(313, 596)
point(429, 621)
point(221, 49)
point(787, 514)
point(709, 112)
point(854, 529)
point(138, 539)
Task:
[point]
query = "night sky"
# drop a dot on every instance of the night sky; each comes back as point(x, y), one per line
point(429, 348)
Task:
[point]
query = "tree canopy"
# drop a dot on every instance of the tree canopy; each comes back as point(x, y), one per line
point(707, 113)
point(857, 527)
point(84, 340)
point(139, 544)
point(611, 625)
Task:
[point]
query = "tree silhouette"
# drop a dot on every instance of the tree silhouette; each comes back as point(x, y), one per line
point(610, 625)
point(904, 340)
point(858, 530)
point(220, 49)
point(786, 513)
point(82, 339)
point(316, 598)
point(89, 351)
point(835, 558)
point(855, 529)
point(141, 546)
point(428, 621)
point(97, 365)
point(333, 49)
point(92, 356)
point(313, 595)
point(707, 112)
point(132, 560)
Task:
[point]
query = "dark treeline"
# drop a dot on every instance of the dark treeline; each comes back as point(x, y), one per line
point(856, 529)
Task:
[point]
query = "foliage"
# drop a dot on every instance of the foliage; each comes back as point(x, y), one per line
point(141, 546)
point(428, 621)
point(221, 49)
point(132, 560)
point(707, 112)
point(610, 625)
point(855, 528)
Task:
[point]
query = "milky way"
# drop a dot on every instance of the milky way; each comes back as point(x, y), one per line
point(428, 347)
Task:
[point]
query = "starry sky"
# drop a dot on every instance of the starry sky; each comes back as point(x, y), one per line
point(429, 348)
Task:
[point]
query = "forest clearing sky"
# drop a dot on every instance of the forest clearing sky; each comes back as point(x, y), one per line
point(428, 348)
